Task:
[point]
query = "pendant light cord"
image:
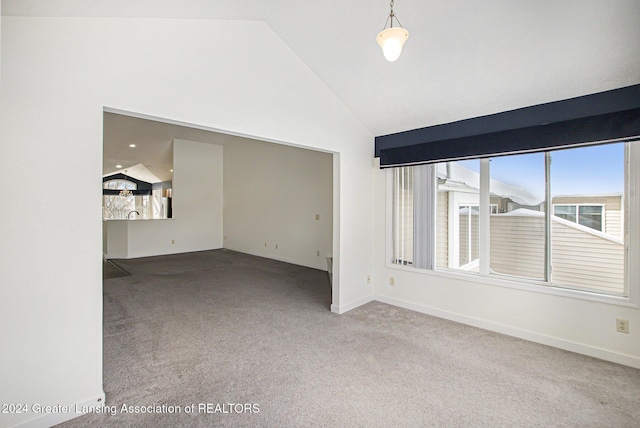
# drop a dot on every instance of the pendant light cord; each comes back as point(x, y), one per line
point(391, 16)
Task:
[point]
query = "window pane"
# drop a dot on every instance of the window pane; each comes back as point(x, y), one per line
point(590, 216)
point(457, 215)
point(592, 180)
point(117, 207)
point(567, 212)
point(517, 236)
point(119, 185)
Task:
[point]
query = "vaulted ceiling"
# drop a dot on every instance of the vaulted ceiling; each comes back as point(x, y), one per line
point(463, 58)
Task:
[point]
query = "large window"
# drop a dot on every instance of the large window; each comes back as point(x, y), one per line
point(118, 206)
point(123, 199)
point(555, 218)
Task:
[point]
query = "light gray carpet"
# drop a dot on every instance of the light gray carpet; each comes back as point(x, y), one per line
point(223, 327)
point(111, 270)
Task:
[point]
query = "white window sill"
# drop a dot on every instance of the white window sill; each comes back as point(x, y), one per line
point(521, 284)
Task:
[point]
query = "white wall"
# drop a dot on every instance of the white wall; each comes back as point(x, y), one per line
point(197, 209)
point(272, 194)
point(115, 239)
point(58, 74)
point(578, 325)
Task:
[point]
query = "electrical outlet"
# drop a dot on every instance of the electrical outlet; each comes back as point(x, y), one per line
point(392, 281)
point(317, 216)
point(622, 325)
point(368, 279)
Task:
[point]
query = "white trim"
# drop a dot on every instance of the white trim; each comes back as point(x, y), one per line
point(137, 115)
point(525, 284)
point(632, 224)
point(587, 229)
point(484, 224)
point(51, 419)
point(456, 201)
point(320, 265)
point(356, 303)
point(627, 360)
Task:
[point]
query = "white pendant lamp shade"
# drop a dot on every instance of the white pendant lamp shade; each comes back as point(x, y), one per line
point(391, 41)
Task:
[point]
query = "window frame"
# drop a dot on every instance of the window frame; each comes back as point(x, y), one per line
point(577, 221)
point(123, 184)
point(631, 233)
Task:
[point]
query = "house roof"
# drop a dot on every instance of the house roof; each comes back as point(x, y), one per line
point(594, 195)
point(139, 172)
point(462, 59)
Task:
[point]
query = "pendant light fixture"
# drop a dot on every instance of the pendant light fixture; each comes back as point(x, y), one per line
point(392, 39)
point(125, 192)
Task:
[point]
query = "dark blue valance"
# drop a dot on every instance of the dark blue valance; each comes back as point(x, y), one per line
point(591, 119)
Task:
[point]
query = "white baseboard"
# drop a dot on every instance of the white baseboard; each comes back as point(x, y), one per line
point(320, 264)
point(346, 308)
point(567, 345)
point(45, 420)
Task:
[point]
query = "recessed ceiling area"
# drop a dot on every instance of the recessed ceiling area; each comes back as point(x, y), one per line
point(153, 142)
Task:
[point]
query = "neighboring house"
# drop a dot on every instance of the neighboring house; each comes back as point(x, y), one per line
point(586, 231)
point(600, 212)
point(458, 208)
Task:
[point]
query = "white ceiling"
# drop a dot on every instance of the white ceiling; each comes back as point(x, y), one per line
point(463, 58)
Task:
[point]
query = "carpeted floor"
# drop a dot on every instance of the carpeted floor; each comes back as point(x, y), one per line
point(217, 327)
point(111, 270)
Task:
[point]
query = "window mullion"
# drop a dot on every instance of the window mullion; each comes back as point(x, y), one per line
point(548, 268)
point(484, 233)
point(469, 234)
point(396, 214)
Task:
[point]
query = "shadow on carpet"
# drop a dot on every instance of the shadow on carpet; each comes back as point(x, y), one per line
point(111, 270)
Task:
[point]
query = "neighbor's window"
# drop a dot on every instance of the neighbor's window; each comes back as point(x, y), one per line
point(586, 215)
point(567, 212)
point(588, 250)
point(556, 218)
